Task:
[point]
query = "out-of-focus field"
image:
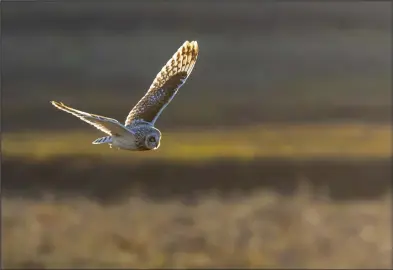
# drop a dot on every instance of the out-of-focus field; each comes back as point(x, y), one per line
point(245, 211)
point(271, 141)
point(261, 230)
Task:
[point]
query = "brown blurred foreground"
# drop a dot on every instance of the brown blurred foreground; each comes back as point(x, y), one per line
point(88, 212)
point(100, 179)
point(263, 229)
point(286, 199)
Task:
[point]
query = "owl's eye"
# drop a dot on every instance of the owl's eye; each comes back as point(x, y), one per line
point(152, 139)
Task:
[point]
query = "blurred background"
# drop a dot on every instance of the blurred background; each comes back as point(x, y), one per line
point(275, 153)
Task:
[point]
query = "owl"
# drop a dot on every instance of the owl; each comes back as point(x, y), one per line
point(138, 132)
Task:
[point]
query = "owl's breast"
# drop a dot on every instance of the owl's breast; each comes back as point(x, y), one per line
point(125, 142)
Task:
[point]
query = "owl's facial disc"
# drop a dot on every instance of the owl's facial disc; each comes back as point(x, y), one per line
point(152, 141)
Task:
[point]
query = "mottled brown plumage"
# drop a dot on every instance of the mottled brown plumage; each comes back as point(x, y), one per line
point(166, 84)
point(138, 133)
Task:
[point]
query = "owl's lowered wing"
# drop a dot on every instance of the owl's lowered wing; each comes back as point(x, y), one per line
point(166, 84)
point(107, 125)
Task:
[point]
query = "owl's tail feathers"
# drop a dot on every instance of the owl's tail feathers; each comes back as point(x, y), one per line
point(107, 139)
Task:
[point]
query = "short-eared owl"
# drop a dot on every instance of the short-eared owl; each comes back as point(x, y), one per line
point(138, 133)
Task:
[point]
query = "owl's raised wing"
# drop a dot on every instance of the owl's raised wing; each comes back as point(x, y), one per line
point(107, 125)
point(166, 84)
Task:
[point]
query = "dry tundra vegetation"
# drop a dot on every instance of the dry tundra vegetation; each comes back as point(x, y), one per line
point(259, 229)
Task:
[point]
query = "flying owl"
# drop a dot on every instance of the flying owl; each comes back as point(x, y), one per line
point(138, 132)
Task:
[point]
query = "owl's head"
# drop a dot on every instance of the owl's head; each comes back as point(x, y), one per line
point(152, 139)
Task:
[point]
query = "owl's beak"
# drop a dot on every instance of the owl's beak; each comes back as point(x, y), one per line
point(157, 145)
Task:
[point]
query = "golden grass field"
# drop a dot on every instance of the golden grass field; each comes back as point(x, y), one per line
point(261, 230)
point(286, 141)
point(264, 229)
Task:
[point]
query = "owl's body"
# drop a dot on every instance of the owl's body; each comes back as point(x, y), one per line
point(137, 139)
point(138, 133)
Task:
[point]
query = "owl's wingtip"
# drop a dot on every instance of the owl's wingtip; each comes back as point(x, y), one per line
point(192, 42)
point(56, 104)
point(193, 45)
point(196, 45)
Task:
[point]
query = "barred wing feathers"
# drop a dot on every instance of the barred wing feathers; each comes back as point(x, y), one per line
point(166, 84)
point(107, 125)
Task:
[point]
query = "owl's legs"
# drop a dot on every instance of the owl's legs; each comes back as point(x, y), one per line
point(110, 146)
